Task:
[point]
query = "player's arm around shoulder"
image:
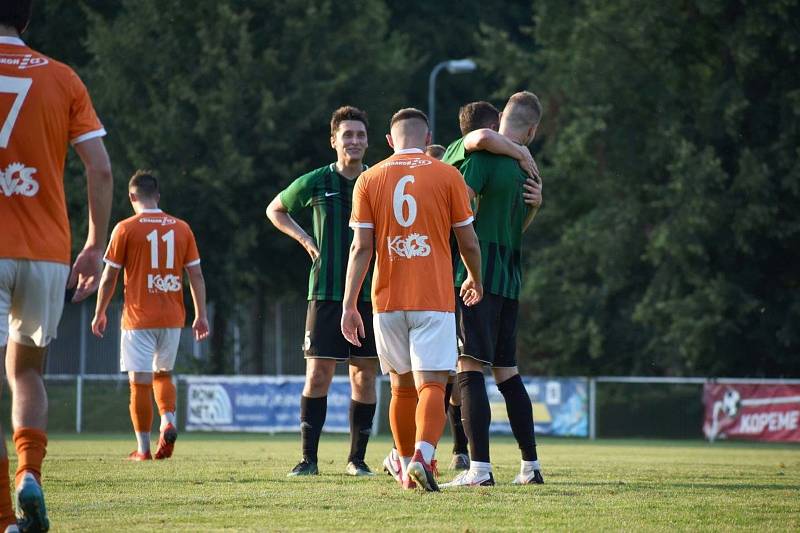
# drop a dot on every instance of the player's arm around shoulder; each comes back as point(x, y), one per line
point(488, 140)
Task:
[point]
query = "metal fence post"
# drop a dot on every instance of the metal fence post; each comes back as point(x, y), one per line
point(278, 339)
point(592, 409)
point(81, 371)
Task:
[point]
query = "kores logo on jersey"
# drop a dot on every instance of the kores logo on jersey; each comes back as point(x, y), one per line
point(18, 179)
point(168, 283)
point(414, 245)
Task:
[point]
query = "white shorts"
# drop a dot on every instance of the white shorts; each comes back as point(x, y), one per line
point(416, 340)
point(31, 300)
point(148, 350)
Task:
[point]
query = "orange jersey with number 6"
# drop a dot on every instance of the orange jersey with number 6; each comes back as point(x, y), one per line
point(412, 201)
point(153, 248)
point(44, 106)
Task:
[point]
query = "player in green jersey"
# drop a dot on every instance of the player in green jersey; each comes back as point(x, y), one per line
point(488, 330)
point(328, 192)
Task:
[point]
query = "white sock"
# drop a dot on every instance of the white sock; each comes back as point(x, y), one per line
point(479, 467)
point(166, 419)
point(143, 441)
point(529, 466)
point(404, 461)
point(427, 450)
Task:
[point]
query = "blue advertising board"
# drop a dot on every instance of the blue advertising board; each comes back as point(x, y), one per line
point(560, 406)
point(258, 404)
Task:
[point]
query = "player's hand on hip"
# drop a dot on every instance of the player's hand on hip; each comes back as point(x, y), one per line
point(311, 248)
point(352, 326)
point(99, 323)
point(532, 192)
point(471, 292)
point(85, 275)
point(200, 328)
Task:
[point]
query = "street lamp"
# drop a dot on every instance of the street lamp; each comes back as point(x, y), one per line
point(453, 66)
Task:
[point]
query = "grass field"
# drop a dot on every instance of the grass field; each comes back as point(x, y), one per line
point(238, 482)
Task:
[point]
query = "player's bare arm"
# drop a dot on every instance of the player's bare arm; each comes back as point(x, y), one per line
point(108, 282)
point(532, 195)
point(470, 250)
point(490, 141)
point(197, 286)
point(357, 265)
point(85, 275)
point(281, 219)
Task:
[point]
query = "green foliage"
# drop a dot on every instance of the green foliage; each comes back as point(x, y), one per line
point(668, 243)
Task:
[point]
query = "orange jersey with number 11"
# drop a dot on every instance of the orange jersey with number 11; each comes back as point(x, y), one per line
point(412, 201)
point(153, 248)
point(43, 107)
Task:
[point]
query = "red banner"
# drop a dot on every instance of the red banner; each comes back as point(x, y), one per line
point(752, 412)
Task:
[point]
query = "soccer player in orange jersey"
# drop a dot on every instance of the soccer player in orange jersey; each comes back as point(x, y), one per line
point(154, 248)
point(44, 107)
point(405, 208)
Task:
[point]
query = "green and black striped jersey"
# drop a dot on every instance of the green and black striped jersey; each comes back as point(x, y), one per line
point(330, 196)
point(497, 181)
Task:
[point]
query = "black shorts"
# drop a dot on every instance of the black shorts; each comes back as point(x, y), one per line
point(324, 337)
point(487, 331)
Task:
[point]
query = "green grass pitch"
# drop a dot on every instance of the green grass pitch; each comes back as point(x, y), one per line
point(238, 482)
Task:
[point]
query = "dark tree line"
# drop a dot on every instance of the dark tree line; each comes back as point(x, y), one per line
point(669, 242)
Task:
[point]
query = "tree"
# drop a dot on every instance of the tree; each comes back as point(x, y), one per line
point(672, 190)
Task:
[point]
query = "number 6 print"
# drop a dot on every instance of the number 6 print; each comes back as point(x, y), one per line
point(400, 198)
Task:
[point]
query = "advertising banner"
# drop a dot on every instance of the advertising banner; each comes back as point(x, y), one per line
point(560, 406)
point(752, 412)
point(259, 404)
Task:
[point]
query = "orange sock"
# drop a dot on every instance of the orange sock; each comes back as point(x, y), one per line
point(430, 416)
point(6, 511)
point(141, 407)
point(165, 393)
point(401, 419)
point(31, 447)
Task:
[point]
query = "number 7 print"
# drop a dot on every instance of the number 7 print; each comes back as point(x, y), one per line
point(20, 87)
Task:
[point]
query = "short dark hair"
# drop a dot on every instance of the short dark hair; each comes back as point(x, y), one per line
point(145, 184)
point(435, 150)
point(347, 112)
point(408, 113)
point(476, 115)
point(523, 110)
point(16, 13)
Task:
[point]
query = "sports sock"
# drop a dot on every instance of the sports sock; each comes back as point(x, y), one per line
point(361, 415)
point(430, 418)
point(476, 414)
point(312, 417)
point(6, 510)
point(479, 467)
point(457, 429)
point(165, 394)
point(31, 444)
point(402, 410)
point(141, 409)
point(448, 392)
point(427, 449)
point(520, 415)
point(529, 466)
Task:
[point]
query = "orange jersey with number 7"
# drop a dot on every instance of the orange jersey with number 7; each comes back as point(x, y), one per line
point(153, 248)
point(44, 106)
point(411, 201)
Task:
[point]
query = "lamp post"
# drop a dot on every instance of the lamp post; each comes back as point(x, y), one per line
point(453, 66)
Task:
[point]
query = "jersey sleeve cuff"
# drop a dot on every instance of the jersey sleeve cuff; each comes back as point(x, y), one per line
point(367, 225)
point(109, 262)
point(193, 263)
point(88, 135)
point(464, 222)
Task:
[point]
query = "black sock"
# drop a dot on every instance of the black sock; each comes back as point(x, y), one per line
point(361, 415)
point(457, 428)
point(476, 413)
point(520, 415)
point(312, 418)
point(448, 392)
